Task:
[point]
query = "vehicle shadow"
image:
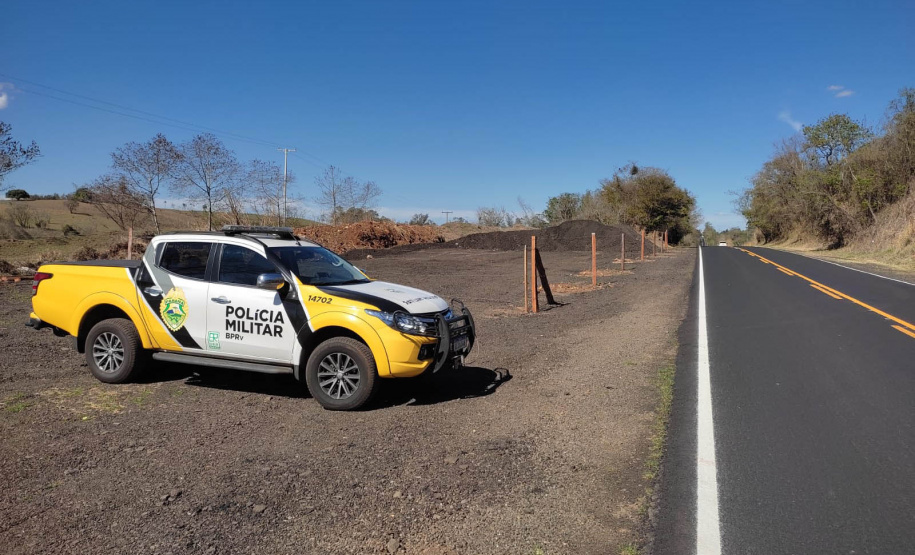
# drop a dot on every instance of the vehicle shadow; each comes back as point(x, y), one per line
point(282, 385)
point(450, 385)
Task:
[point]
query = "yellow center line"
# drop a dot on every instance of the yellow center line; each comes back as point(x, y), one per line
point(821, 290)
point(905, 331)
point(786, 271)
point(840, 294)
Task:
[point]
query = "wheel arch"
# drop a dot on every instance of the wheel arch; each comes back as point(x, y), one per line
point(344, 325)
point(105, 311)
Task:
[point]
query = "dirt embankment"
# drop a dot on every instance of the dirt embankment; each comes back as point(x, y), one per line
point(538, 446)
point(574, 235)
point(370, 235)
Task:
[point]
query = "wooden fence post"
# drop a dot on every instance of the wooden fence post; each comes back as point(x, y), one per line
point(643, 244)
point(129, 242)
point(533, 274)
point(525, 279)
point(593, 260)
point(623, 252)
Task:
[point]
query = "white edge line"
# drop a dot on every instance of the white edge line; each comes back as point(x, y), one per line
point(844, 266)
point(708, 528)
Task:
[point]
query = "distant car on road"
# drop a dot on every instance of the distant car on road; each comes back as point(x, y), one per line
point(722, 243)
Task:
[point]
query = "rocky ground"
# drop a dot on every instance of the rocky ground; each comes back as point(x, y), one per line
point(539, 446)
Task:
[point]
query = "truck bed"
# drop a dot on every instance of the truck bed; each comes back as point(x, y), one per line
point(101, 263)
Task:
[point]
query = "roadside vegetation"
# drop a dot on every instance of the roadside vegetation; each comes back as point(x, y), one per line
point(644, 197)
point(841, 184)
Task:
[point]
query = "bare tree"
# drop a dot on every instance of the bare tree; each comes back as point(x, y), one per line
point(112, 195)
point(330, 191)
point(235, 201)
point(146, 167)
point(13, 154)
point(345, 195)
point(363, 195)
point(207, 171)
point(266, 182)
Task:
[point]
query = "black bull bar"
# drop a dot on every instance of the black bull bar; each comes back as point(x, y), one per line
point(450, 332)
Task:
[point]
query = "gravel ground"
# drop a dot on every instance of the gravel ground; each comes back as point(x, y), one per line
point(539, 446)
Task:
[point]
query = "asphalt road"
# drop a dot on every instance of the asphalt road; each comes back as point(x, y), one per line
point(813, 407)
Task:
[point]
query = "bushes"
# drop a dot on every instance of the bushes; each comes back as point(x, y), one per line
point(22, 215)
point(833, 182)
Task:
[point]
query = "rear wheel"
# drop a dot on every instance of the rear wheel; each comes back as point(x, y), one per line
point(113, 350)
point(341, 374)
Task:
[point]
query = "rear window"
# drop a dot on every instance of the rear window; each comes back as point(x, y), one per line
point(186, 259)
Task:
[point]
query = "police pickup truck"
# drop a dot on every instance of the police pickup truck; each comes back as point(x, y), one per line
point(251, 298)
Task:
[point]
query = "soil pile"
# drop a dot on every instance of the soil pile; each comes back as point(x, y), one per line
point(370, 235)
point(574, 235)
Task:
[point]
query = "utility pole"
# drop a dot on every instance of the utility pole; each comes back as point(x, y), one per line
point(286, 152)
point(446, 212)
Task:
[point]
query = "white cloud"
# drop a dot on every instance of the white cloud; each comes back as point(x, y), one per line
point(4, 95)
point(840, 91)
point(785, 116)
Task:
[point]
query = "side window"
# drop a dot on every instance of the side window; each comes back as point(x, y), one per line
point(186, 259)
point(242, 266)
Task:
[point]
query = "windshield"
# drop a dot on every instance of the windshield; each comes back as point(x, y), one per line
point(318, 266)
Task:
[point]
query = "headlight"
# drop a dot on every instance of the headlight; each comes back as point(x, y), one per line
point(406, 323)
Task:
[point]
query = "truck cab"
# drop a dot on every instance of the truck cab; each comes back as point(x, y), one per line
point(252, 298)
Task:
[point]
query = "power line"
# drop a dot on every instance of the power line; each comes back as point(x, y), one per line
point(186, 125)
point(446, 213)
point(150, 117)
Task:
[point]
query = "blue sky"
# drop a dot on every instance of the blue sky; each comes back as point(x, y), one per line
point(452, 106)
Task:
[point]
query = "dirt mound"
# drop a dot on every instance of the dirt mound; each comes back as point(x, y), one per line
point(574, 235)
point(370, 235)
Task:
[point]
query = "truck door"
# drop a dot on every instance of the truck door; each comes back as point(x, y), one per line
point(243, 320)
point(175, 292)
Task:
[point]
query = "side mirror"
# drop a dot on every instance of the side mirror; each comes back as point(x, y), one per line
point(271, 282)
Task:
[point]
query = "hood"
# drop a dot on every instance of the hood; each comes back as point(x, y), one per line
point(389, 297)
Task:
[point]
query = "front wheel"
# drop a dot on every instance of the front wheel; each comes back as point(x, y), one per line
point(341, 374)
point(113, 349)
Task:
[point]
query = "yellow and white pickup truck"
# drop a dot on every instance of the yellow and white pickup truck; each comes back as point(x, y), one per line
point(251, 298)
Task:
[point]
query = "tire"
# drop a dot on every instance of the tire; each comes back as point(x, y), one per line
point(113, 351)
point(341, 374)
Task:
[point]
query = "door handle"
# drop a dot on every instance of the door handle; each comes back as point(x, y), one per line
point(153, 291)
point(221, 300)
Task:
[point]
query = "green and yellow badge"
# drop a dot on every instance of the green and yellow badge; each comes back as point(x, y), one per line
point(173, 309)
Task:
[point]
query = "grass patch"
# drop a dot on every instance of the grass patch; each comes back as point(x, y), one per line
point(143, 398)
point(665, 382)
point(16, 402)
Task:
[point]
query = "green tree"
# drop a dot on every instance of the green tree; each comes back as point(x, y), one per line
point(709, 234)
point(649, 198)
point(17, 194)
point(420, 219)
point(835, 137)
point(563, 207)
point(82, 194)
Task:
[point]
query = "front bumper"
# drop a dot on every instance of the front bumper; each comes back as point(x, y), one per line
point(456, 336)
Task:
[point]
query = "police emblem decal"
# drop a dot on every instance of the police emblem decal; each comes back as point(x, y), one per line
point(173, 309)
